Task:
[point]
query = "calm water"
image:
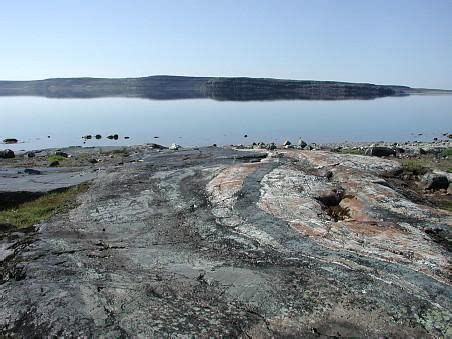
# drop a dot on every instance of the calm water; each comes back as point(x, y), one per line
point(204, 122)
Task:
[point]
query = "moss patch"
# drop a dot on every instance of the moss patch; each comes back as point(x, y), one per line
point(32, 212)
point(52, 158)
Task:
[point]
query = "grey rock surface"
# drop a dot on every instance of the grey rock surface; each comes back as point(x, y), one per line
point(216, 242)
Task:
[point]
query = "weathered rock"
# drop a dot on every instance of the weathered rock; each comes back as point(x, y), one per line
point(271, 146)
point(10, 141)
point(156, 146)
point(174, 147)
point(302, 143)
point(32, 171)
point(435, 180)
point(7, 154)
point(380, 151)
point(204, 243)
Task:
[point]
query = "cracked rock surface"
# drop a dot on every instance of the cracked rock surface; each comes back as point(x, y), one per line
point(218, 242)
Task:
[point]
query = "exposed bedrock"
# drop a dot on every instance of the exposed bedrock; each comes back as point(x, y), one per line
point(214, 242)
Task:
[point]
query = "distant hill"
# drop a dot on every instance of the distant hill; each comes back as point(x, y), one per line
point(180, 87)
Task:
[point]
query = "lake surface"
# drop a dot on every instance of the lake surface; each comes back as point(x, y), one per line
point(204, 122)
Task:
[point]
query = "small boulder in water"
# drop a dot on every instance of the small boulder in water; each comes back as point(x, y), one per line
point(10, 141)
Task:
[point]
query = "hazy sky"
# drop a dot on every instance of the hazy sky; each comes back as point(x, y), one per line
point(388, 41)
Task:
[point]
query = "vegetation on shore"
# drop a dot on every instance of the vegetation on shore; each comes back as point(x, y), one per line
point(30, 213)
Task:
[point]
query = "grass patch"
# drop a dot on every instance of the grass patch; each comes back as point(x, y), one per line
point(53, 158)
point(421, 165)
point(415, 166)
point(30, 213)
point(446, 205)
point(447, 152)
point(355, 151)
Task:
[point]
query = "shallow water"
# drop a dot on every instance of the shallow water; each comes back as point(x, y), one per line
point(204, 122)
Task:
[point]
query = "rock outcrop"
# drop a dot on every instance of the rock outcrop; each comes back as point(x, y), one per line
point(215, 242)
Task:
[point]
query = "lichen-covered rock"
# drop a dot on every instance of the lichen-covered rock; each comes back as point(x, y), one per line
point(380, 151)
point(435, 180)
point(7, 154)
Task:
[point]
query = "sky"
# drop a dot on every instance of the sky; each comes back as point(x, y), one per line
point(406, 42)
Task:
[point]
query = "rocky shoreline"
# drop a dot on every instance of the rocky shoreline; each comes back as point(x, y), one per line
point(258, 240)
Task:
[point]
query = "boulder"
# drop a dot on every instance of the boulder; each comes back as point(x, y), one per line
point(271, 146)
point(174, 147)
point(156, 146)
point(32, 171)
point(87, 137)
point(380, 151)
point(62, 154)
point(115, 136)
point(302, 143)
point(98, 136)
point(54, 164)
point(31, 154)
point(287, 143)
point(10, 141)
point(435, 180)
point(7, 154)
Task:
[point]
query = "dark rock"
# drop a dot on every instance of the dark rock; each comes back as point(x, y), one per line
point(7, 154)
point(48, 136)
point(62, 154)
point(450, 136)
point(156, 146)
point(98, 136)
point(31, 154)
point(245, 136)
point(302, 143)
point(380, 151)
point(10, 141)
point(110, 137)
point(88, 137)
point(435, 139)
point(54, 164)
point(93, 161)
point(32, 171)
point(214, 145)
point(271, 146)
point(115, 136)
point(287, 143)
point(435, 181)
point(126, 137)
point(422, 151)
